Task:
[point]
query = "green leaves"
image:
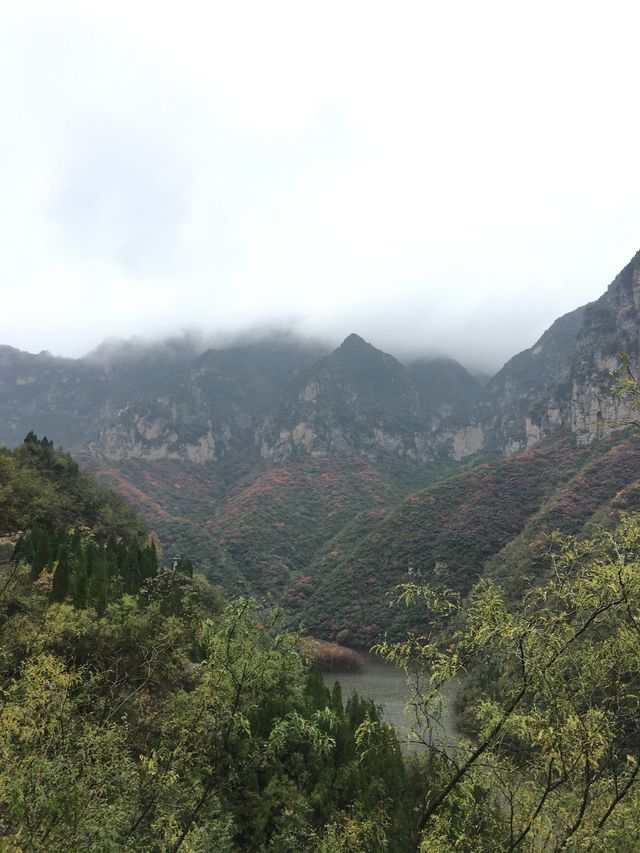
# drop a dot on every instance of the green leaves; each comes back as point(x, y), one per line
point(555, 691)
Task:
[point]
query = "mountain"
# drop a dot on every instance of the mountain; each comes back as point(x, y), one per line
point(359, 399)
point(44, 487)
point(272, 399)
point(565, 379)
point(249, 457)
point(494, 521)
point(258, 457)
point(281, 396)
point(513, 408)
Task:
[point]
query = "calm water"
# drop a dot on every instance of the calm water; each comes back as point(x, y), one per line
point(387, 686)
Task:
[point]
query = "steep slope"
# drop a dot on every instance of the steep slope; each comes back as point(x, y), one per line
point(511, 408)
point(156, 401)
point(258, 454)
point(565, 379)
point(257, 525)
point(351, 399)
point(361, 400)
point(611, 326)
point(272, 398)
point(281, 396)
point(442, 386)
point(177, 499)
point(215, 407)
point(275, 520)
point(59, 397)
point(604, 485)
point(451, 532)
point(261, 530)
point(40, 485)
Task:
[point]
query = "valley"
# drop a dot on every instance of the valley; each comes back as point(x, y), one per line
point(233, 510)
point(325, 478)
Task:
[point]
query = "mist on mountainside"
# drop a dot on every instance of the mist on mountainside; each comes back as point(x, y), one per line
point(190, 342)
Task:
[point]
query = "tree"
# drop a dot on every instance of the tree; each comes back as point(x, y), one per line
point(80, 574)
point(555, 693)
point(99, 582)
point(42, 556)
point(61, 577)
point(627, 388)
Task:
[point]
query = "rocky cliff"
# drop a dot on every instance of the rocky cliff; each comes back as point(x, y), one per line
point(270, 400)
point(282, 397)
point(565, 380)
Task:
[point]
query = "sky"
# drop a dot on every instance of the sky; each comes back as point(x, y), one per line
point(437, 177)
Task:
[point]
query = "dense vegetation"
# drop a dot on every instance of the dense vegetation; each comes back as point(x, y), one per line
point(494, 520)
point(41, 485)
point(553, 692)
point(173, 722)
point(139, 710)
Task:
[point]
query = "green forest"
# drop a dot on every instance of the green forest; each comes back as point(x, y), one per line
point(140, 709)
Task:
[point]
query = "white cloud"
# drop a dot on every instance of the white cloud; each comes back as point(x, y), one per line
point(428, 174)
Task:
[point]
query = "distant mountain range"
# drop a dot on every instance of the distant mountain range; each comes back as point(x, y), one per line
point(297, 471)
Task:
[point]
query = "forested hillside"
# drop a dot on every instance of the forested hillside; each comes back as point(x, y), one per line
point(140, 710)
point(492, 521)
point(252, 457)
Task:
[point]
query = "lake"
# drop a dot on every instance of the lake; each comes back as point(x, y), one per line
point(387, 686)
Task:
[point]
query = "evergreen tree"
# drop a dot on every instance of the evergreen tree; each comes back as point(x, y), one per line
point(184, 566)
point(23, 552)
point(133, 578)
point(148, 562)
point(42, 557)
point(99, 582)
point(80, 577)
point(61, 577)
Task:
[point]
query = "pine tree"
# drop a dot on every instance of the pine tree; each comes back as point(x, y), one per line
point(184, 566)
point(133, 580)
point(42, 557)
point(61, 577)
point(99, 583)
point(80, 577)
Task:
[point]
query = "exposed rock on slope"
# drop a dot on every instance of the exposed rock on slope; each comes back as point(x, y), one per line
point(252, 457)
point(281, 397)
point(565, 379)
point(361, 400)
point(272, 399)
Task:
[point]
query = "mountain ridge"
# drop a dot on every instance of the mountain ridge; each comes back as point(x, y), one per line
point(256, 457)
point(280, 397)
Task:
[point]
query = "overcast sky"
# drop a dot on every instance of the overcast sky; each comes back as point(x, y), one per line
point(432, 175)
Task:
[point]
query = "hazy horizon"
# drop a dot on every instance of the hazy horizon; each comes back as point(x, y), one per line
point(436, 179)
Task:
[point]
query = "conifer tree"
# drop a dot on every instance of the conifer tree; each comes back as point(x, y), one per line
point(42, 557)
point(99, 582)
point(133, 580)
point(80, 577)
point(62, 576)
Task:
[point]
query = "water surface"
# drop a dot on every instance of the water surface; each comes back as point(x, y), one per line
point(387, 686)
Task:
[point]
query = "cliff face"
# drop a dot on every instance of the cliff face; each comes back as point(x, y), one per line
point(565, 379)
point(270, 400)
point(361, 400)
point(611, 326)
point(252, 458)
point(280, 398)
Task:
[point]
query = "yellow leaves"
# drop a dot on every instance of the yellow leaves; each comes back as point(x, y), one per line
point(148, 763)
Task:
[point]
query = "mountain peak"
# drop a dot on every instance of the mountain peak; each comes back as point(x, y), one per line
point(354, 350)
point(352, 341)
